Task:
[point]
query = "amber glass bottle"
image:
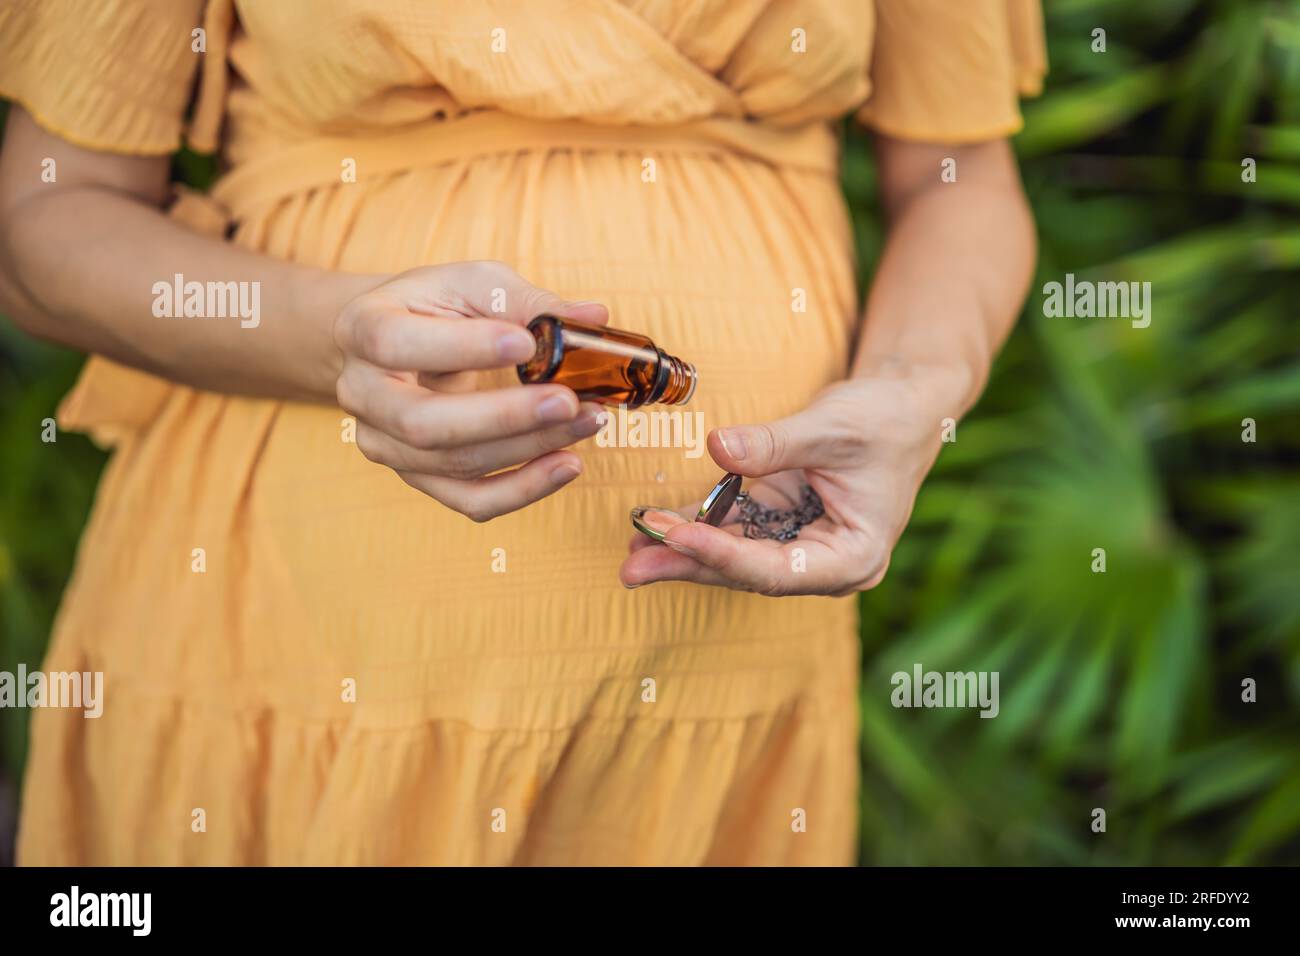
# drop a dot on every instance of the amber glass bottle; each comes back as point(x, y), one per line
point(606, 365)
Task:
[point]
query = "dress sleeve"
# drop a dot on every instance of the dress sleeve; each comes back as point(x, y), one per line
point(110, 75)
point(953, 70)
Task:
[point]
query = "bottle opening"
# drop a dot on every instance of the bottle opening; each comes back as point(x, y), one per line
point(550, 351)
point(681, 383)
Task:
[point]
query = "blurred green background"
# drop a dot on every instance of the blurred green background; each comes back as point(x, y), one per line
point(1121, 690)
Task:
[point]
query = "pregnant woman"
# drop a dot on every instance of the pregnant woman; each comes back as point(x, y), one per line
point(359, 597)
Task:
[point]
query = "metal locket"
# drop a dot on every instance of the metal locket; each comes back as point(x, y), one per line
point(756, 519)
point(714, 509)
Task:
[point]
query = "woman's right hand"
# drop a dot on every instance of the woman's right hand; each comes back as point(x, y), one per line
point(411, 349)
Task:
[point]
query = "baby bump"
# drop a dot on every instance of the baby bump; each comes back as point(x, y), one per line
point(728, 263)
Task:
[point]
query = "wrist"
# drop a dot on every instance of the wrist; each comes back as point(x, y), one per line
point(950, 385)
point(317, 298)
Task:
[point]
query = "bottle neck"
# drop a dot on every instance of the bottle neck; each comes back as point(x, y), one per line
point(676, 382)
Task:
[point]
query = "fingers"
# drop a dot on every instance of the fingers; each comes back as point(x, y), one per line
point(515, 299)
point(486, 498)
point(650, 563)
point(423, 419)
point(448, 381)
point(383, 333)
point(451, 318)
point(706, 555)
point(752, 565)
point(812, 438)
point(445, 324)
point(658, 519)
point(667, 563)
point(475, 461)
point(677, 558)
point(661, 519)
point(590, 313)
point(695, 552)
point(489, 288)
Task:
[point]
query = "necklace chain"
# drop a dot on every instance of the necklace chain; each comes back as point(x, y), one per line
point(780, 524)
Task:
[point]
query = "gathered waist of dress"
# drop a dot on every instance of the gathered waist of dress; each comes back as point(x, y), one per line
point(278, 172)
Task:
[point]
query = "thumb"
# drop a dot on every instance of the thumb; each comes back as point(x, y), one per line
point(758, 450)
point(515, 299)
point(592, 313)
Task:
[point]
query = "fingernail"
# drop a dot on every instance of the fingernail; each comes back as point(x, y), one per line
point(556, 408)
point(588, 423)
point(733, 443)
point(680, 548)
point(516, 347)
point(563, 474)
point(582, 302)
point(631, 587)
point(661, 521)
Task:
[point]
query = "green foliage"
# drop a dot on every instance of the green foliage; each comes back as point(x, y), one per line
point(1120, 690)
point(45, 495)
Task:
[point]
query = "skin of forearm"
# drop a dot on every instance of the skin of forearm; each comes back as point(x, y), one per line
point(950, 283)
point(79, 268)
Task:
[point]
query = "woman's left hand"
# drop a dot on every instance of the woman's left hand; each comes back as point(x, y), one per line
point(864, 445)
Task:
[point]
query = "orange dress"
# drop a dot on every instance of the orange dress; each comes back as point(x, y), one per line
point(360, 675)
